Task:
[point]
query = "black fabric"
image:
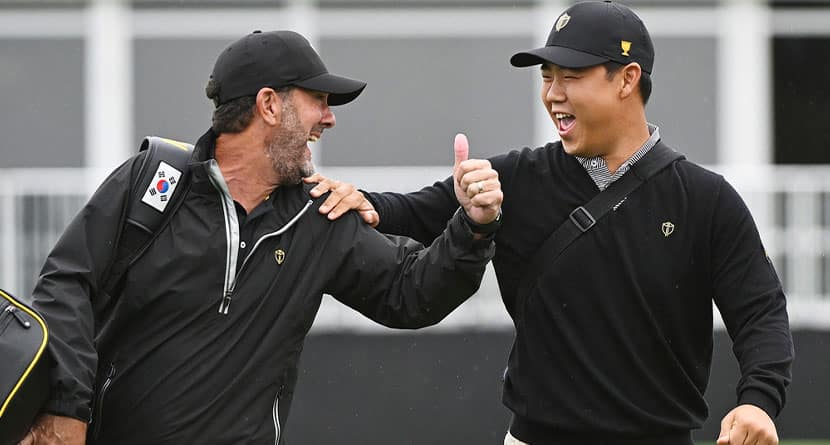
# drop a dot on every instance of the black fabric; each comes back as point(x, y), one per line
point(591, 33)
point(178, 371)
point(583, 218)
point(140, 223)
point(24, 376)
point(276, 59)
point(617, 335)
point(248, 225)
point(540, 434)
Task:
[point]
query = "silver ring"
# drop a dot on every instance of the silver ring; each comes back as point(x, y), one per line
point(480, 187)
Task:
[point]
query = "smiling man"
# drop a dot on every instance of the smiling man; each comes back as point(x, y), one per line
point(201, 344)
point(614, 335)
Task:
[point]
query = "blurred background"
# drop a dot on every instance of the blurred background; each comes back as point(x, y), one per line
point(740, 86)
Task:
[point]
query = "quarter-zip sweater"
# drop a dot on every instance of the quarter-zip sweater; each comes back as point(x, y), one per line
point(205, 350)
point(614, 344)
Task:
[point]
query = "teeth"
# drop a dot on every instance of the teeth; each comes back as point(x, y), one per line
point(562, 115)
point(313, 138)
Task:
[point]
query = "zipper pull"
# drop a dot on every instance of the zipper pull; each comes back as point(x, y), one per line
point(13, 310)
point(226, 303)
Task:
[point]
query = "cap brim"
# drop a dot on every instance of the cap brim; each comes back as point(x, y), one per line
point(557, 55)
point(342, 90)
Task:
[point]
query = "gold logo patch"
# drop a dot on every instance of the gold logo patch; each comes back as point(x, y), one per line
point(563, 21)
point(279, 255)
point(626, 46)
point(668, 228)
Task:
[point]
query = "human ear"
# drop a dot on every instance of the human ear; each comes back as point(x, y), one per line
point(269, 105)
point(629, 79)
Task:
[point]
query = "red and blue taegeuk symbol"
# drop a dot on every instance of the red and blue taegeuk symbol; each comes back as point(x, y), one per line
point(162, 186)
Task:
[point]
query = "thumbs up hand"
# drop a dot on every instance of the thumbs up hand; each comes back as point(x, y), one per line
point(477, 185)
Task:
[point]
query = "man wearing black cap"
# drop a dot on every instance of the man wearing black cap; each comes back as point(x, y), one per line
point(614, 335)
point(201, 344)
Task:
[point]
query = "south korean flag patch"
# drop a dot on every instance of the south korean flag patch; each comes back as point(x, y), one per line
point(161, 187)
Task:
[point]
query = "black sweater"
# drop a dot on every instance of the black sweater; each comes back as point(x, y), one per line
point(616, 340)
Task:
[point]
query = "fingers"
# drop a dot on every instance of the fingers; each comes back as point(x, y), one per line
point(747, 425)
point(493, 198)
point(340, 202)
point(370, 217)
point(29, 439)
point(738, 435)
point(462, 149)
point(480, 188)
point(316, 177)
point(476, 177)
point(725, 428)
point(324, 184)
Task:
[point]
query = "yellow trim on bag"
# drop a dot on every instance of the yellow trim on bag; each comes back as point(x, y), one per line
point(184, 146)
point(37, 356)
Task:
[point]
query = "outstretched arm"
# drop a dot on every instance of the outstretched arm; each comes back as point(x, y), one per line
point(397, 282)
point(421, 215)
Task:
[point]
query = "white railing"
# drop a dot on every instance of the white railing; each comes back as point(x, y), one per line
point(790, 203)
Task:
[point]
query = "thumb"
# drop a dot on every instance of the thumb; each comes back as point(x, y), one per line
point(725, 428)
point(462, 149)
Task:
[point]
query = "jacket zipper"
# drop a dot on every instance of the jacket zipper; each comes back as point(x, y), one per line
point(275, 413)
point(232, 235)
point(98, 409)
point(226, 299)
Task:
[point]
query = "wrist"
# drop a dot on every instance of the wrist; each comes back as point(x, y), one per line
point(477, 228)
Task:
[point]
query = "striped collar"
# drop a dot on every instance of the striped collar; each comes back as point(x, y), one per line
point(598, 170)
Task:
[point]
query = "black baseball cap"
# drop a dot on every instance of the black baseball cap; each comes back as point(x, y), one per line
point(591, 33)
point(277, 59)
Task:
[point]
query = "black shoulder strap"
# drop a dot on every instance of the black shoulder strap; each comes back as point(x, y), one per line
point(584, 217)
point(156, 193)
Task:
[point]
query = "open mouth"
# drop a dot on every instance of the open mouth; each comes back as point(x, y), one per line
point(564, 121)
point(313, 138)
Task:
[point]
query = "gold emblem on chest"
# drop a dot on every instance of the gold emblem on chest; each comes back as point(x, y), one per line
point(668, 228)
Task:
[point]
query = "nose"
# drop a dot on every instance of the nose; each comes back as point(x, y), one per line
point(555, 92)
point(328, 120)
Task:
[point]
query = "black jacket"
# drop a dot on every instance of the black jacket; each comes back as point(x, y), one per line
point(616, 339)
point(176, 370)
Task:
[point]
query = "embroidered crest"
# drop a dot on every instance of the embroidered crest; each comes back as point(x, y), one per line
point(626, 46)
point(563, 21)
point(279, 256)
point(668, 228)
point(161, 187)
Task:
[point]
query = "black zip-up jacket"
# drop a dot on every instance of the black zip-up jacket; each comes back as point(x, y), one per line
point(176, 369)
point(615, 342)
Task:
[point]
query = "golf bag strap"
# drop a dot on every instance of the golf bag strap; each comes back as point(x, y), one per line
point(142, 222)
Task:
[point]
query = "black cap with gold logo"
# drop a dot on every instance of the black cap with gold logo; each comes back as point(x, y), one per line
point(591, 33)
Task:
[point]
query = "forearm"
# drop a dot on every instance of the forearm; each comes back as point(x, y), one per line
point(409, 286)
point(420, 215)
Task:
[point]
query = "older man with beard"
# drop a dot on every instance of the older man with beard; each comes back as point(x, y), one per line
point(214, 313)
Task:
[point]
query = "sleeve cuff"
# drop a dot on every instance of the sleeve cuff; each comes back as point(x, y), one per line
point(464, 235)
point(760, 399)
point(67, 409)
